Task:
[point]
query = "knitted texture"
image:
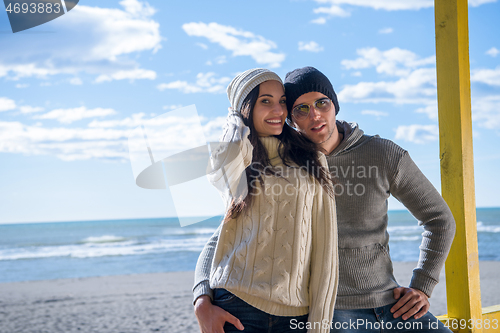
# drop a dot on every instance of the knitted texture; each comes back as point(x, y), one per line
point(304, 80)
point(280, 255)
point(243, 84)
point(368, 169)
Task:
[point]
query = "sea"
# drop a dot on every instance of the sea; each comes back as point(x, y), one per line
point(42, 251)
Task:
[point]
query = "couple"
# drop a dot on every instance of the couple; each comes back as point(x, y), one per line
point(261, 286)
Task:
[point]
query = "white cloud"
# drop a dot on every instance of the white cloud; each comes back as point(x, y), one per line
point(375, 113)
point(333, 10)
point(386, 31)
point(419, 87)
point(493, 52)
point(65, 143)
point(213, 129)
point(239, 42)
point(312, 46)
point(219, 60)
point(76, 81)
point(486, 111)
point(394, 62)
point(30, 109)
point(416, 82)
point(182, 124)
point(27, 69)
point(91, 40)
point(137, 8)
point(203, 46)
point(67, 116)
point(22, 85)
point(134, 74)
point(205, 82)
point(172, 107)
point(430, 110)
point(358, 73)
point(419, 134)
point(394, 4)
point(486, 76)
point(7, 104)
point(101, 139)
point(337, 7)
point(476, 3)
point(319, 20)
point(134, 120)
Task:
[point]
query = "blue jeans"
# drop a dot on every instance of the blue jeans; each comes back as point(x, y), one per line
point(380, 320)
point(253, 319)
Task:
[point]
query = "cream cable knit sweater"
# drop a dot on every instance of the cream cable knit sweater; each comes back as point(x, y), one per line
point(280, 256)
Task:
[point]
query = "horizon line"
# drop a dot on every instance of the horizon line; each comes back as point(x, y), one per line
point(163, 217)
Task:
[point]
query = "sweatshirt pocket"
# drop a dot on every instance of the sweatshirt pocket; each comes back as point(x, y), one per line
point(365, 270)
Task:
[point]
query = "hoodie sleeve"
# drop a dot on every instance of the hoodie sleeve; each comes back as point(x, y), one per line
point(417, 193)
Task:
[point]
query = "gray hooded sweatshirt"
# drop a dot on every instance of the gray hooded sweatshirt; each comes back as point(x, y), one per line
point(366, 171)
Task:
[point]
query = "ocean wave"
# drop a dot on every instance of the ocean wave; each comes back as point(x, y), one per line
point(411, 228)
point(487, 228)
point(189, 231)
point(418, 229)
point(172, 240)
point(102, 249)
point(104, 239)
point(405, 238)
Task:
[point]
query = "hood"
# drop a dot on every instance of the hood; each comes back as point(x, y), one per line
point(353, 137)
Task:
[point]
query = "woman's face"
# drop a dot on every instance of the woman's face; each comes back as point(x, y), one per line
point(269, 112)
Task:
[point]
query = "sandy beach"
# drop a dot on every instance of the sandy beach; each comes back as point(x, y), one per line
point(159, 302)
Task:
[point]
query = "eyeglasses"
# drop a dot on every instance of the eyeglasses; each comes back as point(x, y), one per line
point(301, 111)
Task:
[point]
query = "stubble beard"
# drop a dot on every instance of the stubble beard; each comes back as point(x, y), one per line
point(329, 135)
point(319, 143)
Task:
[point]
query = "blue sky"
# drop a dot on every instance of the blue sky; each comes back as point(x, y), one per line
point(72, 89)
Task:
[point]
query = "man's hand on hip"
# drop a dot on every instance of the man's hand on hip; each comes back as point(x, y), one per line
point(410, 302)
point(212, 318)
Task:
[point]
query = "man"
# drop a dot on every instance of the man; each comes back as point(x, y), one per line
point(367, 170)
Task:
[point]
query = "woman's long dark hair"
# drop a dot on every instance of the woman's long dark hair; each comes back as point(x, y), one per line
point(294, 147)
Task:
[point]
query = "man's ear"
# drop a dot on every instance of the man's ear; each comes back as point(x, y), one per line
point(290, 123)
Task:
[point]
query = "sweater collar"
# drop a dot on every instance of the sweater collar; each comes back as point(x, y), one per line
point(352, 134)
point(271, 144)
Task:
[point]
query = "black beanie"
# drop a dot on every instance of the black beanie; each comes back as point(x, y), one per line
point(304, 80)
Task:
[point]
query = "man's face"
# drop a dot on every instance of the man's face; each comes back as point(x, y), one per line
point(318, 126)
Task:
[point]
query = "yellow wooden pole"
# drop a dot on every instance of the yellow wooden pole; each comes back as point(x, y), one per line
point(457, 166)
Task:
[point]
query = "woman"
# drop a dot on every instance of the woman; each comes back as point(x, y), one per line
point(275, 263)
